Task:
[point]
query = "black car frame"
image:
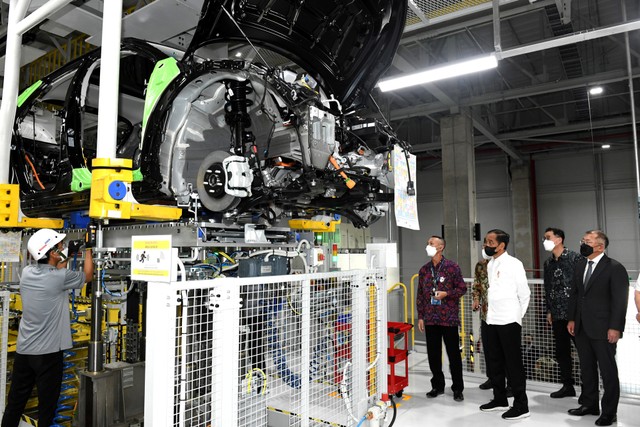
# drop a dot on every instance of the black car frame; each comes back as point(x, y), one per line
point(223, 131)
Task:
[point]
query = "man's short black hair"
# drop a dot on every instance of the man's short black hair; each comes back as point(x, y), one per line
point(556, 232)
point(501, 236)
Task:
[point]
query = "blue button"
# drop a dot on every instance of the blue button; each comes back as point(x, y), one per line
point(117, 190)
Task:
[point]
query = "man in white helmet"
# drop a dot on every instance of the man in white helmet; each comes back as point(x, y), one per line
point(45, 329)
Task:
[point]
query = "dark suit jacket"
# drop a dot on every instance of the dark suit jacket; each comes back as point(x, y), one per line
point(602, 304)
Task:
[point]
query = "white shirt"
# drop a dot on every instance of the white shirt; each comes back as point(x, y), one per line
point(508, 292)
point(595, 261)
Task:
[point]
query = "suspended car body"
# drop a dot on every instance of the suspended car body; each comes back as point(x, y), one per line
point(256, 120)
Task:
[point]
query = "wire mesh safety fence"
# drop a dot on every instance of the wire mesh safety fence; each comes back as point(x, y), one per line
point(538, 344)
point(307, 349)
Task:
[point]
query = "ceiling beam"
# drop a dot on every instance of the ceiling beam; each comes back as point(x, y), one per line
point(534, 90)
point(578, 37)
point(505, 145)
point(478, 123)
point(538, 132)
point(447, 28)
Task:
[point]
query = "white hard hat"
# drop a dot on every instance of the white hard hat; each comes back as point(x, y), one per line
point(42, 241)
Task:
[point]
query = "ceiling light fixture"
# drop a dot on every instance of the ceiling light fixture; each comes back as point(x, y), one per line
point(238, 54)
point(596, 90)
point(439, 73)
point(605, 146)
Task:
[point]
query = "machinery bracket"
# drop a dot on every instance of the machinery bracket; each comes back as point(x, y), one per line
point(11, 216)
point(316, 224)
point(111, 196)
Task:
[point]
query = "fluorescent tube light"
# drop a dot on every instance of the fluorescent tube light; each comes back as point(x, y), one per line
point(439, 73)
point(605, 146)
point(596, 90)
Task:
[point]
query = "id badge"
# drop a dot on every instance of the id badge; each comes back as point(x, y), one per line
point(435, 301)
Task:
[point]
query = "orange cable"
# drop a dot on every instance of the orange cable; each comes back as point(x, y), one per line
point(33, 169)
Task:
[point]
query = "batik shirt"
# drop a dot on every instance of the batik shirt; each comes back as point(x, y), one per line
point(558, 274)
point(446, 276)
point(480, 286)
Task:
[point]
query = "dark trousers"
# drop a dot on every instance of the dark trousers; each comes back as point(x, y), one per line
point(485, 350)
point(563, 340)
point(45, 372)
point(594, 354)
point(504, 359)
point(435, 336)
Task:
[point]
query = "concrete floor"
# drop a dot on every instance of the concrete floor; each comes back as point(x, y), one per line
point(415, 410)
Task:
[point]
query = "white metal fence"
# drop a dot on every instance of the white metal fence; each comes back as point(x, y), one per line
point(236, 352)
point(4, 334)
point(539, 346)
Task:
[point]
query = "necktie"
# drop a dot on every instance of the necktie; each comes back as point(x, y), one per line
point(588, 275)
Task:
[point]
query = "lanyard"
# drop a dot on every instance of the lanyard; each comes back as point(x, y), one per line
point(436, 273)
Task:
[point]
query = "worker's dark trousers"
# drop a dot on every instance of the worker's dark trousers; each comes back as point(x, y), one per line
point(435, 335)
point(505, 357)
point(45, 372)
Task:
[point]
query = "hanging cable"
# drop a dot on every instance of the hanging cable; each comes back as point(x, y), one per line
point(245, 36)
point(411, 189)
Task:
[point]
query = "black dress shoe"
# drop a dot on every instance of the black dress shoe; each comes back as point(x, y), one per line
point(606, 420)
point(565, 391)
point(435, 393)
point(583, 410)
point(485, 385)
point(458, 396)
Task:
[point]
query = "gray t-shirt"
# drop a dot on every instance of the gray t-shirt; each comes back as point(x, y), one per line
point(45, 326)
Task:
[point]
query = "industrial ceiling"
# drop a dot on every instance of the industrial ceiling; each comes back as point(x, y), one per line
point(533, 102)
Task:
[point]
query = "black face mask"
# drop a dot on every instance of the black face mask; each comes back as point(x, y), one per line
point(489, 250)
point(585, 250)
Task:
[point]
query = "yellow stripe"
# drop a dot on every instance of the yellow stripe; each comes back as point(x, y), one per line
point(29, 420)
point(151, 244)
point(317, 420)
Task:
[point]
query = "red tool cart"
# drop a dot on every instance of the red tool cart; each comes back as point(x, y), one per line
point(396, 383)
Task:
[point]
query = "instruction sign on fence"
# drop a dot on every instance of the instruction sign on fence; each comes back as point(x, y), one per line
point(151, 258)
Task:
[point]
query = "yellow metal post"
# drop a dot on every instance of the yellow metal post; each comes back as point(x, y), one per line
point(413, 314)
point(397, 285)
point(10, 216)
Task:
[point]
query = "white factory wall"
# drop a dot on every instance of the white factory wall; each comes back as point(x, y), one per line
point(566, 195)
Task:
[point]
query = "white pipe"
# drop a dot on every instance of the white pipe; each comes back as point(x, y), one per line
point(345, 393)
point(109, 79)
point(17, 26)
point(633, 111)
point(303, 242)
point(40, 14)
point(17, 10)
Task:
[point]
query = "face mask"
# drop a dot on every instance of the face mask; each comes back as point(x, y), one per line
point(431, 251)
point(490, 251)
point(485, 256)
point(548, 245)
point(585, 250)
